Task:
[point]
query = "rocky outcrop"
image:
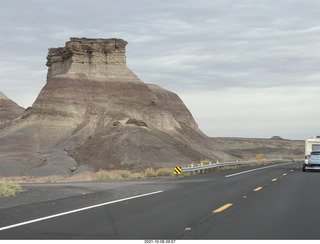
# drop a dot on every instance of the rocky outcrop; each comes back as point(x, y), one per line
point(84, 58)
point(9, 110)
point(94, 112)
point(136, 122)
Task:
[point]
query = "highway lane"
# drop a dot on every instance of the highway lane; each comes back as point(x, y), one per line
point(283, 206)
point(263, 204)
point(287, 207)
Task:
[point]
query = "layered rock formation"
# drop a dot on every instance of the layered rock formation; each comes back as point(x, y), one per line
point(94, 112)
point(9, 110)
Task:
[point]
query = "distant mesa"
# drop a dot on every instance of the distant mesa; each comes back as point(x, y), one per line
point(276, 138)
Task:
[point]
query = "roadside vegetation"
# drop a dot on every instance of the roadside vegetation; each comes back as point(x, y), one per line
point(106, 175)
point(103, 175)
point(261, 158)
point(205, 162)
point(165, 172)
point(114, 174)
point(9, 189)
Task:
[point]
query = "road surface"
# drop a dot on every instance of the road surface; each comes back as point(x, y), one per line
point(276, 201)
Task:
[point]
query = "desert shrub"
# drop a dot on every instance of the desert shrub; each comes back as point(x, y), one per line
point(165, 172)
point(125, 174)
point(9, 189)
point(289, 158)
point(51, 180)
point(259, 156)
point(105, 175)
point(186, 174)
point(205, 162)
point(137, 175)
point(149, 173)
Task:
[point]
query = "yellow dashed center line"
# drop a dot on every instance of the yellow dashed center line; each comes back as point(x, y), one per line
point(224, 207)
point(258, 188)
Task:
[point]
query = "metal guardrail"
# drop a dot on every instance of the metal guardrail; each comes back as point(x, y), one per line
point(215, 165)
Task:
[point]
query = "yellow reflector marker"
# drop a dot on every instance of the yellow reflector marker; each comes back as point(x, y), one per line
point(258, 188)
point(224, 207)
point(187, 228)
point(274, 179)
point(284, 174)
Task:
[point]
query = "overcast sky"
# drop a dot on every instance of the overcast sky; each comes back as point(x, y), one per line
point(244, 68)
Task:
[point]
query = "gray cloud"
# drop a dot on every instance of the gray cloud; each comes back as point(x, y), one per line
point(189, 47)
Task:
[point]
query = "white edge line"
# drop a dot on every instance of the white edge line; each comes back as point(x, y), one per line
point(247, 171)
point(76, 210)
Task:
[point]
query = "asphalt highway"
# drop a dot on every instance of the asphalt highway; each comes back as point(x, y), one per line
point(276, 201)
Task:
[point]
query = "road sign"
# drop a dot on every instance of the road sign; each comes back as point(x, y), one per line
point(177, 170)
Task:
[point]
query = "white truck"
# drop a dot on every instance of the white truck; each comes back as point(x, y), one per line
point(312, 144)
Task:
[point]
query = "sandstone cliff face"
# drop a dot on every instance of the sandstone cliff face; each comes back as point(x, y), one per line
point(94, 112)
point(98, 59)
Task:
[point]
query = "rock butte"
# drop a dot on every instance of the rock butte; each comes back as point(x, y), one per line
point(94, 112)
